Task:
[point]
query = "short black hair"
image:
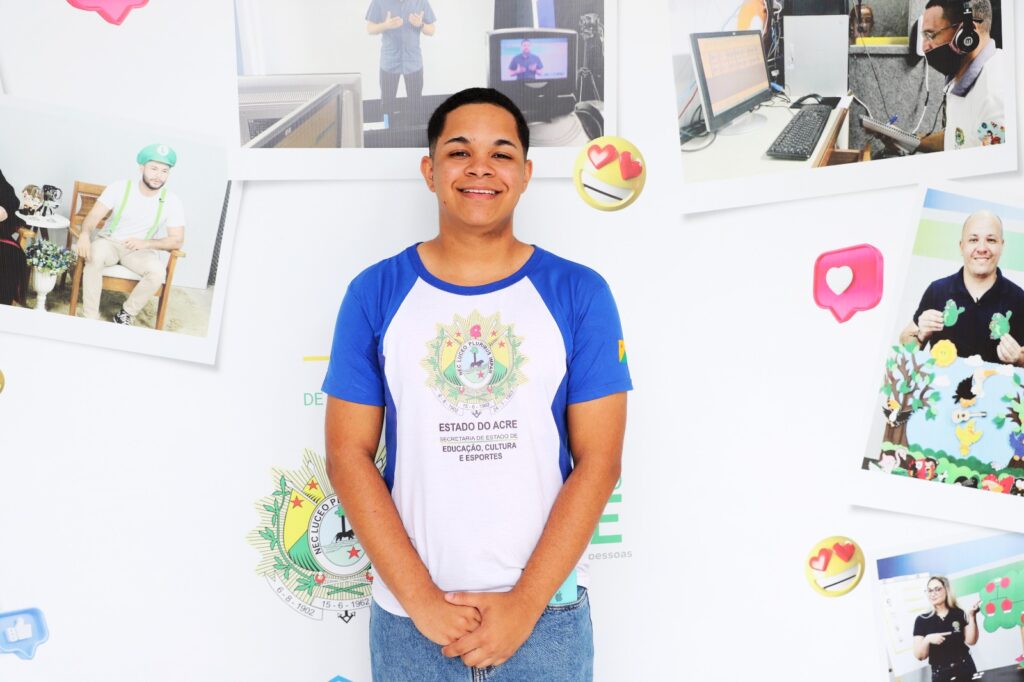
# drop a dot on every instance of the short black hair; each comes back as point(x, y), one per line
point(476, 96)
point(953, 10)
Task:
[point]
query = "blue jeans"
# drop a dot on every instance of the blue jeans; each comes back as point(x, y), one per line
point(560, 649)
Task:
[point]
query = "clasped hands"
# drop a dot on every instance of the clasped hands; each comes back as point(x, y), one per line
point(482, 628)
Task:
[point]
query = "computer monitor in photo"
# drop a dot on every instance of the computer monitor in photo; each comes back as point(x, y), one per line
point(732, 75)
point(536, 68)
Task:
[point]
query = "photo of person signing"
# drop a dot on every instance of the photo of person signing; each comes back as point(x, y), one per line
point(944, 635)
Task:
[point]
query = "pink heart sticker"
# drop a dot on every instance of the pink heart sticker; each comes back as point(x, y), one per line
point(114, 11)
point(629, 167)
point(602, 156)
point(820, 562)
point(844, 551)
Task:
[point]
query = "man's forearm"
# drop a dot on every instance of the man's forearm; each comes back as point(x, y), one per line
point(936, 142)
point(569, 528)
point(368, 505)
point(165, 244)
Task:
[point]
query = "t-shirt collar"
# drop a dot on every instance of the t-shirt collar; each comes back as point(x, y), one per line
point(425, 275)
point(996, 287)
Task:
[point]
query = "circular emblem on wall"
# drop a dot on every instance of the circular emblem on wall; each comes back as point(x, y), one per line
point(311, 557)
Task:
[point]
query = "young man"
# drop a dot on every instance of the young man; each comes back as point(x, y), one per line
point(147, 219)
point(499, 371)
point(978, 290)
point(976, 78)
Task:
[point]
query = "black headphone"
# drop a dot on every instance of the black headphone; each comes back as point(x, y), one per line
point(966, 37)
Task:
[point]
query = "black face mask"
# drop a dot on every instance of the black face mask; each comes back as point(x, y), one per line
point(944, 60)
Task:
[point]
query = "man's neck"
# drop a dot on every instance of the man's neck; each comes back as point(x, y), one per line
point(146, 190)
point(983, 39)
point(474, 258)
point(977, 286)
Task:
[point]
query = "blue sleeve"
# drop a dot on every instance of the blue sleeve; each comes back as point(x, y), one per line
point(428, 14)
point(376, 12)
point(540, 64)
point(354, 373)
point(597, 364)
point(514, 64)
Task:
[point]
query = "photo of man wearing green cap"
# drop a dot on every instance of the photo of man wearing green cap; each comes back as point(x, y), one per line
point(146, 220)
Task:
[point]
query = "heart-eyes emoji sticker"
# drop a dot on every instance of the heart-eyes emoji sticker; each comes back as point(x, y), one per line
point(609, 173)
point(834, 566)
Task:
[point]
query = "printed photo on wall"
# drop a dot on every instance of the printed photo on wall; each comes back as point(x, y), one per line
point(953, 611)
point(114, 233)
point(814, 98)
point(947, 435)
point(324, 75)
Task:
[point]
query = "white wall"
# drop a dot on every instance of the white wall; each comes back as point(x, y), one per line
point(56, 146)
point(128, 484)
point(326, 36)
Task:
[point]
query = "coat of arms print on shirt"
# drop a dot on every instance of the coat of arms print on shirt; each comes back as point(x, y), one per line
point(474, 364)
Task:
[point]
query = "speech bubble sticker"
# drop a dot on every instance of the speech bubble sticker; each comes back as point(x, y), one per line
point(834, 566)
point(847, 281)
point(21, 632)
point(609, 173)
point(113, 11)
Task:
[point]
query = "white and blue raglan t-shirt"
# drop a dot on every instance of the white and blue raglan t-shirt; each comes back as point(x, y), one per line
point(475, 382)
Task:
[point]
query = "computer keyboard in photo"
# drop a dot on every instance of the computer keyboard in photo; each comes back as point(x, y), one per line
point(800, 136)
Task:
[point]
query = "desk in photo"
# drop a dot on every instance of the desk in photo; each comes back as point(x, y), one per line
point(743, 155)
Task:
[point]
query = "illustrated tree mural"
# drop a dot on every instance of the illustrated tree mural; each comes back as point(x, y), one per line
point(907, 388)
point(1015, 414)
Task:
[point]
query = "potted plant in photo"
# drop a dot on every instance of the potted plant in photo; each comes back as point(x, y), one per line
point(48, 260)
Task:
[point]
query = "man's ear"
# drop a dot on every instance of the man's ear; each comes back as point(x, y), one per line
point(527, 173)
point(427, 170)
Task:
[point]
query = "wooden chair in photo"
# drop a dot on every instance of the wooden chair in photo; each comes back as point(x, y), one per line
point(115, 277)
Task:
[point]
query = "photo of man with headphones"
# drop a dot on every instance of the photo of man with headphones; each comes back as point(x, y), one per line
point(957, 42)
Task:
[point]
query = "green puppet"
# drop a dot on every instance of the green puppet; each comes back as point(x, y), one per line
point(1000, 325)
point(951, 313)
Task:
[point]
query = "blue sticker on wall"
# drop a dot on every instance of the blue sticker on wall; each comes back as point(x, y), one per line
point(21, 632)
point(339, 678)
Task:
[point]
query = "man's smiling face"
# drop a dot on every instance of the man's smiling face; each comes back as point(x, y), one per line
point(478, 168)
point(981, 244)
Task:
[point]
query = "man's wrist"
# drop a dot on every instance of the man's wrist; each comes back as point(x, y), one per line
point(534, 600)
point(421, 599)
